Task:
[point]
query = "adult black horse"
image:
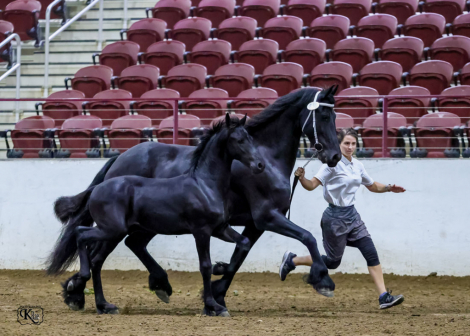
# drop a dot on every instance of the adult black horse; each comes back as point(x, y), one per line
point(259, 202)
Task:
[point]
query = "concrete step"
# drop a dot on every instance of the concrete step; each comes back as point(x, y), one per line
point(37, 80)
point(118, 13)
point(26, 92)
point(88, 35)
point(54, 69)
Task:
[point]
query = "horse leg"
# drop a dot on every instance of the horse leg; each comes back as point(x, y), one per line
point(318, 277)
point(137, 242)
point(221, 286)
point(211, 307)
point(229, 235)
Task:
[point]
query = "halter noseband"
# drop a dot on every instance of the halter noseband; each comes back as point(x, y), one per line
point(313, 106)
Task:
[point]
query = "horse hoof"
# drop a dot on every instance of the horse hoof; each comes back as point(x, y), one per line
point(219, 268)
point(208, 312)
point(224, 314)
point(326, 292)
point(108, 309)
point(162, 295)
point(75, 307)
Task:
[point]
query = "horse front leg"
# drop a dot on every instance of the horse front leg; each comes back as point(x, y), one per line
point(275, 221)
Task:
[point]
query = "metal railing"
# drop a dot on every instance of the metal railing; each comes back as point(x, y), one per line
point(48, 38)
point(16, 67)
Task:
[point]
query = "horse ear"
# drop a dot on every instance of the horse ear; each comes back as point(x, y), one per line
point(334, 88)
point(243, 120)
point(227, 120)
point(327, 91)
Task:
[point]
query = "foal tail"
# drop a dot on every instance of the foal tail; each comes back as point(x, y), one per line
point(65, 250)
point(67, 207)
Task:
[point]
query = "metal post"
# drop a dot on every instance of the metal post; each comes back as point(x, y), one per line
point(175, 122)
point(100, 27)
point(18, 77)
point(385, 128)
point(124, 25)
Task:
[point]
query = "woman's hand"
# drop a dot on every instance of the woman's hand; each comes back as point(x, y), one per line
point(396, 189)
point(300, 172)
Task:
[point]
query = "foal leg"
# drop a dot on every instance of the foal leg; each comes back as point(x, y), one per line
point(229, 235)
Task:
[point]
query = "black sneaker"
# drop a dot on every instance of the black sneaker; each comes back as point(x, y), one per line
point(388, 300)
point(286, 265)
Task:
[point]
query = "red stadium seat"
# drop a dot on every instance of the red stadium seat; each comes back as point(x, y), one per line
point(91, 80)
point(109, 109)
point(236, 30)
point(260, 10)
point(119, 55)
point(357, 51)
point(329, 28)
point(261, 98)
point(206, 110)
point(384, 76)
point(343, 121)
point(6, 28)
point(453, 49)
point(331, 73)
point(461, 25)
point(411, 108)
point(215, 10)
point(283, 77)
point(171, 11)
point(138, 79)
point(77, 137)
point(359, 108)
point(24, 15)
point(308, 52)
point(146, 31)
point(191, 31)
point(128, 131)
point(307, 10)
point(456, 100)
point(156, 104)
point(62, 110)
point(353, 9)
point(282, 29)
point(427, 26)
point(212, 54)
point(379, 28)
point(164, 55)
point(406, 51)
point(464, 75)
point(29, 137)
point(433, 75)
point(434, 132)
point(58, 11)
point(186, 122)
point(450, 9)
point(401, 9)
point(259, 53)
point(185, 78)
point(373, 131)
point(234, 78)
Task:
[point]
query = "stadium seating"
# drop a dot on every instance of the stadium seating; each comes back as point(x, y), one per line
point(62, 110)
point(359, 108)
point(353, 9)
point(24, 15)
point(186, 124)
point(261, 98)
point(32, 138)
point(384, 76)
point(79, 137)
point(343, 121)
point(91, 80)
point(406, 51)
point(260, 10)
point(433, 75)
point(191, 31)
point(282, 77)
point(156, 104)
point(126, 132)
point(331, 73)
point(308, 52)
point(461, 25)
point(453, 49)
point(118, 56)
point(215, 10)
point(6, 28)
point(206, 110)
point(357, 51)
point(236, 30)
point(258, 53)
point(427, 26)
point(450, 9)
point(379, 28)
point(411, 108)
point(464, 75)
point(145, 32)
point(329, 28)
point(164, 55)
point(282, 29)
point(456, 100)
point(401, 9)
point(307, 10)
point(233, 78)
point(211, 54)
point(107, 108)
point(171, 11)
point(137, 79)
point(185, 78)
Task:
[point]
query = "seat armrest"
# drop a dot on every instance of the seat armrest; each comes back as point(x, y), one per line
point(36, 106)
point(305, 78)
point(113, 81)
point(122, 33)
point(256, 80)
point(93, 57)
point(209, 80)
point(66, 80)
point(404, 77)
point(376, 54)
point(147, 10)
point(354, 79)
point(280, 55)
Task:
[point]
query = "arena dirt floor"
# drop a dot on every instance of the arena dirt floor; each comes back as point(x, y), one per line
point(261, 305)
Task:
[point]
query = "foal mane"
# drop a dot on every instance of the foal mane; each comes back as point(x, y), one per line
point(299, 99)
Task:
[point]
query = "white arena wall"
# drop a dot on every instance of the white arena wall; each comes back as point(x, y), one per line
point(425, 230)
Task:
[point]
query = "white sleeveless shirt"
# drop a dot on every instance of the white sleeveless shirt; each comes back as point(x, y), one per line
point(341, 183)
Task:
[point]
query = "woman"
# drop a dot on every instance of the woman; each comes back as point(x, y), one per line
point(341, 223)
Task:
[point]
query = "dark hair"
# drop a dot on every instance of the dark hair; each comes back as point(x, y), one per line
point(347, 131)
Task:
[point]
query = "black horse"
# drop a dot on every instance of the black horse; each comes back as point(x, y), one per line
point(259, 202)
point(194, 202)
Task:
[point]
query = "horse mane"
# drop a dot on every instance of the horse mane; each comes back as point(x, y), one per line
point(206, 138)
point(300, 98)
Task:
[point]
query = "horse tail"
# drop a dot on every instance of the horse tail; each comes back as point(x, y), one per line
point(65, 250)
point(68, 206)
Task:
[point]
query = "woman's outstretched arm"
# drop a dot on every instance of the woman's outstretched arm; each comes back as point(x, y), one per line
point(377, 187)
point(306, 183)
